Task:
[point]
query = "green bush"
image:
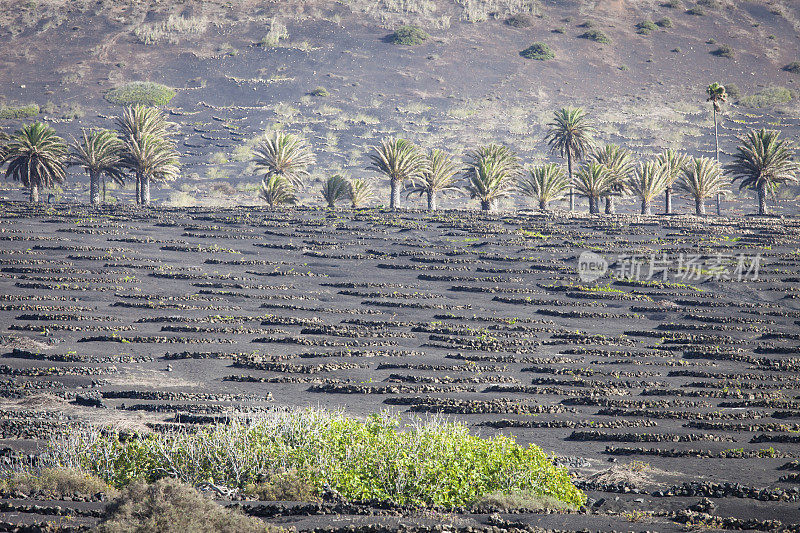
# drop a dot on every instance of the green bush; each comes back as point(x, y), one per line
point(768, 97)
point(793, 67)
point(25, 111)
point(696, 11)
point(733, 91)
point(645, 27)
point(587, 24)
point(596, 36)
point(409, 36)
point(141, 92)
point(560, 29)
point(540, 51)
point(724, 51)
point(520, 20)
point(56, 482)
point(320, 91)
point(426, 463)
point(169, 506)
point(666, 22)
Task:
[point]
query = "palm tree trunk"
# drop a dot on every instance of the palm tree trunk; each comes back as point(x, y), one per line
point(145, 190)
point(716, 142)
point(34, 193)
point(646, 207)
point(94, 188)
point(668, 201)
point(486, 205)
point(592, 205)
point(104, 188)
point(699, 206)
point(610, 207)
point(394, 201)
point(719, 203)
point(571, 188)
point(762, 199)
point(542, 205)
point(138, 188)
point(432, 201)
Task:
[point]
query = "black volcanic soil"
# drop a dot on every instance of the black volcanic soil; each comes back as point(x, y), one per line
point(654, 395)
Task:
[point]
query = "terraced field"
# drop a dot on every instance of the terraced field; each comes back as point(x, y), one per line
point(672, 398)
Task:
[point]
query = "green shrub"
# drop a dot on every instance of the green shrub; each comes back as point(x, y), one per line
point(666, 22)
point(560, 29)
point(320, 91)
point(696, 11)
point(768, 97)
point(540, 51)
point(169, 506)
point(409, 36)
point(645, 27)
point(56, 482)
point(793, 67)
point(25, 111)
point(724, 51)
point(733, 91)
point(588, 24)
point(141, 92)
point(283, 487)
point(596, 36)
point(429, 462)
point(520, 20)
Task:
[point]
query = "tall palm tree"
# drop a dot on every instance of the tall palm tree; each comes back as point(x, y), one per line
point(151, 158)
point(702, 178)
point(762, 162)
point(571, 135)
point(438, 176)
point(491, 172)
point(334, 189)
point(648, 181)
point(593, 181)
point(276, 190)
point(399, 160)
point(36, 157)
point(673, 163)
point(99, 152)
point(359, 192)
point(717, 96)
point(619, 163)
point(136, 123)
point(544, 183)
point(285, 155)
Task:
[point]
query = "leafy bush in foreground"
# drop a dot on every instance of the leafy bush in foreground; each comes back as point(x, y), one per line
point(540, 51)
point(141, 92)
point(429, 462)
point(169, 506)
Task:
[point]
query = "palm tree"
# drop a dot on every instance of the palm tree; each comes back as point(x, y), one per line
point(618, 162)
point(284, 155)
point(36, 157)
point(4, 138)
point(571, 134)
point(399, 160)
point(673, 163)
point(717, 96)
point(276, 190)
point(702, 178)
point(762, 162)
point(136, 123)
point(544, 183)
point(491, 171)
point(593, 181)
point(438, 175)
point(334, 189)
point(99, 153)
point(359, 192)
point(648, 181)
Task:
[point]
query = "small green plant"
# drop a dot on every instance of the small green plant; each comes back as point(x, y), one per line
point(141, 92)
point(793, 67)
point(277, 33)
point(540, 51)
point(25, 111)
point(519, 20)
point(767, 97)
point(559, 30)
point(646, 27)
point(665, 23)
point(409, 36)
point(724, 51)
point(587, 24)
point(320, 91)
point(733, 91)
point(596, 36)
point(696, 11)
point(56, 482)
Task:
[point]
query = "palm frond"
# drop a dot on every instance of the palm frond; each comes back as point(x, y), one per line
point(285, 155)
point(703, 178)
point(544, 183)
point(276, 190)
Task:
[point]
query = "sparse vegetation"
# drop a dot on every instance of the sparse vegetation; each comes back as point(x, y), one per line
point(724, 51)
point(56, 482)
point(767, 97)
point(25, 111)
point(646, 27)
point(793, 67)
point(277, 33)
point(696, 11)
point(141, 93)
point(596, 36)
point(320, 91)
point(170, 29)
point(665, 23)
point(540, 51)
point(409, 36)
point(520, 20)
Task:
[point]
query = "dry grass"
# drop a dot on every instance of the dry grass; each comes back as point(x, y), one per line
point(56, 482)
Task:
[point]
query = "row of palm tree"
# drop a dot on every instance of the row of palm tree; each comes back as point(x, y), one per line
point(141, 145)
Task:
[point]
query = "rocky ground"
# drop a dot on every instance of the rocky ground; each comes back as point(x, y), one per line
point(672, 399)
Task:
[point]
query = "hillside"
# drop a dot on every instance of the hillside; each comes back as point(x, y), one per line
point(327, 70)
